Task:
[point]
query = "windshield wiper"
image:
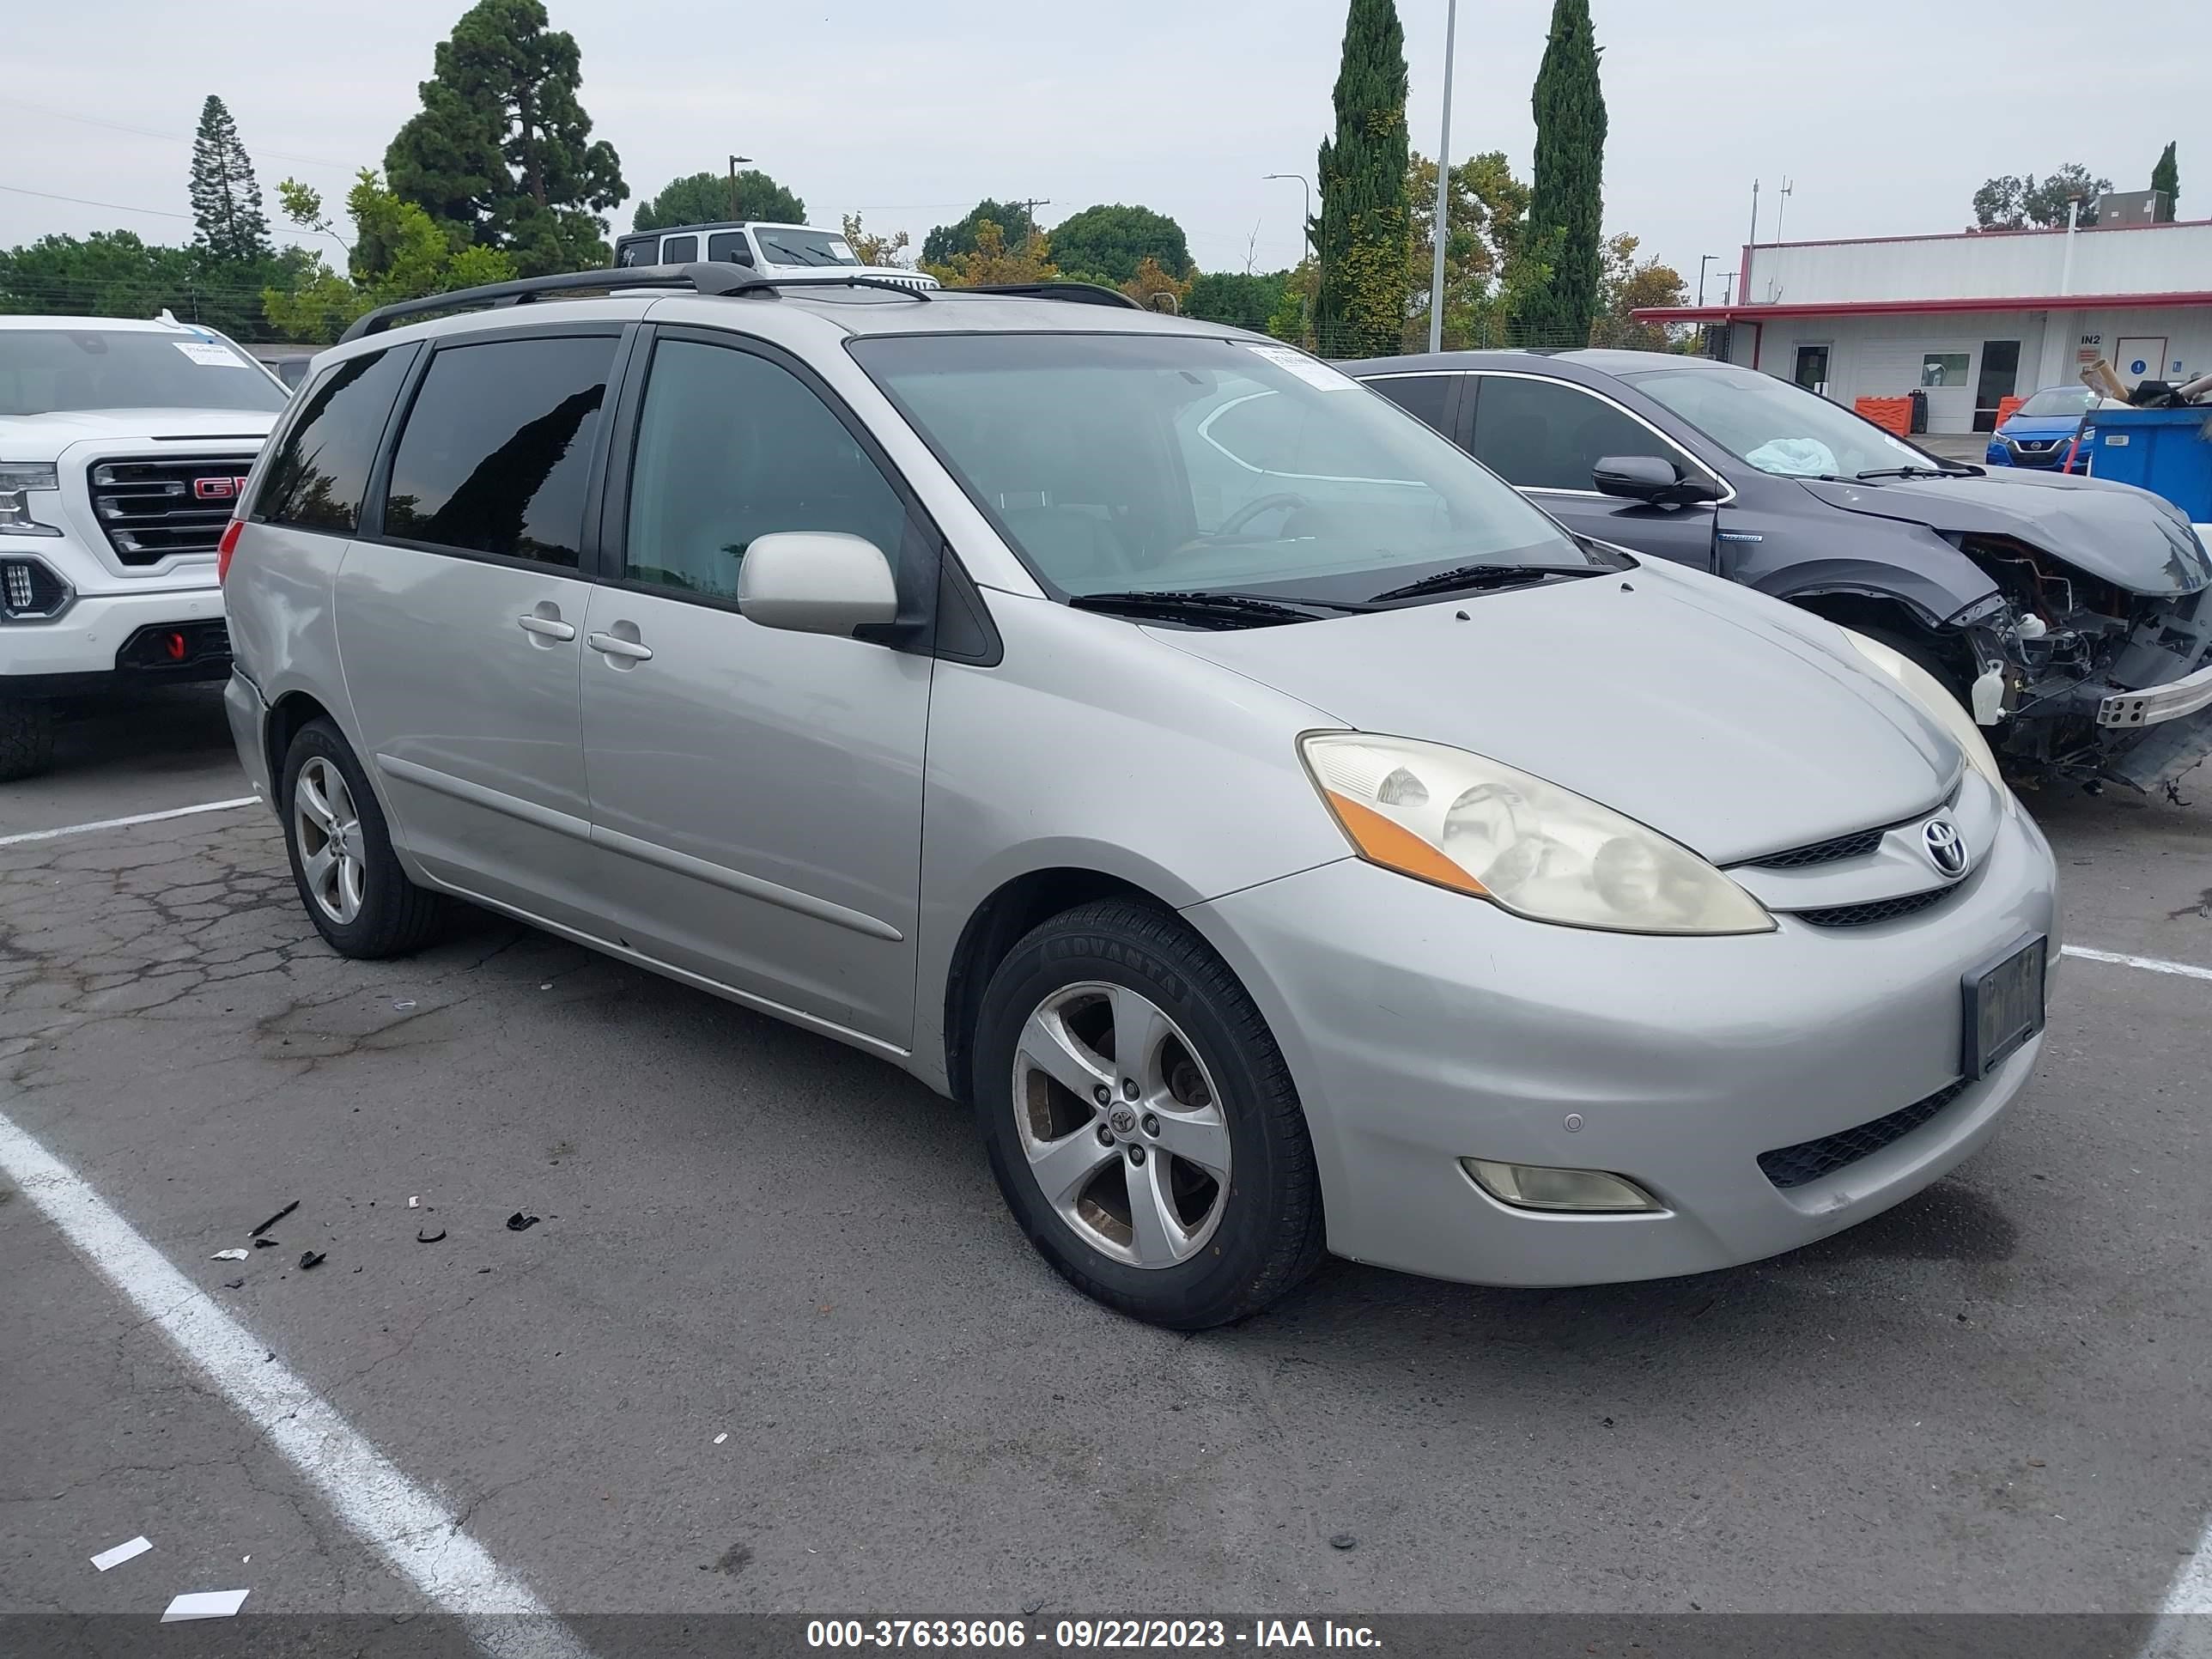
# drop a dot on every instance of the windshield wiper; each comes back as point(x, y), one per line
point(1207, 609)
point(1920, 472)
point(1473, 578)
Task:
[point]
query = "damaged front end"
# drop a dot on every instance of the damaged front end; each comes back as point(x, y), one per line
point(2076, 676)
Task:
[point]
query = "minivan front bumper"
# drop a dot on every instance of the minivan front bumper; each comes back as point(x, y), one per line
point(1424, 1027)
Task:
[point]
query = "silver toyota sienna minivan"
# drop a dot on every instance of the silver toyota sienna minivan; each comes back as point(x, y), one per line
point(1286, 836)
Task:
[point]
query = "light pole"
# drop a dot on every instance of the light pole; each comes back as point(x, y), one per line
point(1704, 260)
point(734, 162)
point(1443, 186)
point(1313, 250)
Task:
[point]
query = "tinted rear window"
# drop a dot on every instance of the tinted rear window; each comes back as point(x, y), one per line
point(1423, 396)
point(320, 472)
point(498, 446)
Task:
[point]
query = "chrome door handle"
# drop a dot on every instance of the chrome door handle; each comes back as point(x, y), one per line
point(614, 645)
point(546, 627)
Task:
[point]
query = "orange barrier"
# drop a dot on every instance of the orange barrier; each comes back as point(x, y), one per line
point(1893, 413)
point(2006, 406)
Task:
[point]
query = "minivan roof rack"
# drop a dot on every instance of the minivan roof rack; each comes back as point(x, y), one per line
point(1075, 294)
point(703, 277)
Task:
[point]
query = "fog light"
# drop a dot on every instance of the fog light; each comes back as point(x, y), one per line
point(19, 586)
point(1534, 1187)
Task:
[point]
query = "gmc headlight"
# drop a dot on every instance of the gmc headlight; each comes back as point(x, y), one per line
point(17, 480)
point(1935, 699)
point(1442, 815)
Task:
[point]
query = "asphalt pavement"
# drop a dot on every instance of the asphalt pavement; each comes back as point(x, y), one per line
point(775, 1346)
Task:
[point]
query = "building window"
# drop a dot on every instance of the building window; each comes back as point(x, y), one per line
point(1944, 368)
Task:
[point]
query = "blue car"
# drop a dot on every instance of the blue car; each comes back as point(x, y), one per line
point(2040, 432)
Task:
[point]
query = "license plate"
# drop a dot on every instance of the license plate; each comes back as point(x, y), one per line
point(2004, 1006)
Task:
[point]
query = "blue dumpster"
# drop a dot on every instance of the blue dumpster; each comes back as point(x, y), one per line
point(2167, 451)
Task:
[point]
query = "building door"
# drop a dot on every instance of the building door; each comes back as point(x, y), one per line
point(2139, 357)
point(1999, 379)
point(1812, 370)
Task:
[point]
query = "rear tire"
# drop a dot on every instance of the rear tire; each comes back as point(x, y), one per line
point(1142, 1123)
point(350, 879)
point(27, 737)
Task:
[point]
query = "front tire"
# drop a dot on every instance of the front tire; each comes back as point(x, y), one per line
point(27, 737)
point(1142, 1123)
point(350, 880)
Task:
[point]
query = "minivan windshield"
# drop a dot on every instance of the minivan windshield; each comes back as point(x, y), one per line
point(1181, 463)
point(1777, 427)
point(2058, 400)
point(45, 371)
point(787, 244)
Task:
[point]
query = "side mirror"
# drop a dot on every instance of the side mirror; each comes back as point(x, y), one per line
point(816, 582)
point(1648, 478)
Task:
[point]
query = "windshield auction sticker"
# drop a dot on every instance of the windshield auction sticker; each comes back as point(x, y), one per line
point(210, 357)
point(1306, 368)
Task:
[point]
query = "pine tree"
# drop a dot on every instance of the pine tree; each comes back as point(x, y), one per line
point(227, 216)
point(500, 154)
point(2167, 176)
point(1566, 211)
point(1363, 236)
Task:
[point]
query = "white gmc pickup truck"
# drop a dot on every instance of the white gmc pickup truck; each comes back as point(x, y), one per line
point(123, 446)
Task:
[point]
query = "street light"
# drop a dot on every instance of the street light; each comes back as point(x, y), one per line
point(1704, 260)
point(1312, 251)
point(1443, 186)
point(735, 161)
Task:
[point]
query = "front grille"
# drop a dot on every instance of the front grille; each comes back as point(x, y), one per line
point(1856, 845)
point(1865, 916)
point(1808, 1160)
point(155, 509)
point(2033, 445)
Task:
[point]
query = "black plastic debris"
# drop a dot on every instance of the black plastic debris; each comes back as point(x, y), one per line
point(310, 1259)
point(520, 1223)
point(267, 1243)
point(274, 1219)
point(1343, 1541)
point(233, 1284)
point(425, 1236)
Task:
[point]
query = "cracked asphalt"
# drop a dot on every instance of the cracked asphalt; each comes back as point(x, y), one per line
point(1994, 1398)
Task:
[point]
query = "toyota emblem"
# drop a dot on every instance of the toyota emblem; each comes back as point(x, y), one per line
point(1947, 847)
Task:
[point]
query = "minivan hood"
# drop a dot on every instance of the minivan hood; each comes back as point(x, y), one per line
point(2129, 537)
point(43, 437)
point(1718, 717)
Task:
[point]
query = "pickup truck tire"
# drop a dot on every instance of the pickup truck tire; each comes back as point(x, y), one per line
point(27, 737)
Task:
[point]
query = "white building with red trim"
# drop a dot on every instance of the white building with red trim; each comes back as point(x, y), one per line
point(1969, 318)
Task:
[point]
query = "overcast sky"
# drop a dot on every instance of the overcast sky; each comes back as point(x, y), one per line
point(1884, 114)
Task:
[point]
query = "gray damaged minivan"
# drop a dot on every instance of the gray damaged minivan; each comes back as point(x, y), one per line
point(1284, 834)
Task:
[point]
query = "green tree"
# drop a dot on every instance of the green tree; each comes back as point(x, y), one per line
point(1566, 205)
point(703, 198)
point(1241, 298)
point(115, 274)
point(1012, 219)
point(500, 155)
point(1363, 236)
point(871, 249)
point(1627, 285)
point(398, 252)
point(2167, 176)
point(1107, 244)
point(2015, 202)
point(227, 216)
point(991, 261)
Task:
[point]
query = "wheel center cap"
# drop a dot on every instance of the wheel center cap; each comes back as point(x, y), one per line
point(1122, 1120)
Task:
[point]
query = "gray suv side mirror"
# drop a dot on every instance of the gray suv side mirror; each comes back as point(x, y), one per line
point(1649, 479)
point(815, 581)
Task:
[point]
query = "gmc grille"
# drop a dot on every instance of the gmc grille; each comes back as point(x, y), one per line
point(153, 510)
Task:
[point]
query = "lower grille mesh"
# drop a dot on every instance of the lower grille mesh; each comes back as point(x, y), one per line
point(1864, 916)
point(1808, 1160)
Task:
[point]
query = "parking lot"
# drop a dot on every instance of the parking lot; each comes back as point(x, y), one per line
point(775, 1345)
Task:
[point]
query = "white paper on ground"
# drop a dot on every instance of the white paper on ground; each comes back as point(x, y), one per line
point(204, 1604)
point(720, 1438)
point(120, 1553)
point(228, 1255)
point(1306, 368)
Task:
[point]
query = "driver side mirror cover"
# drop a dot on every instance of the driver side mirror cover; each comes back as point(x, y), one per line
point(1649, 479)
point(811, 581)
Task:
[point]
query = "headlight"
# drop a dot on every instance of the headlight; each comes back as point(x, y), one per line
point(1444, 815)
point(16, 477)
point(1935, 698)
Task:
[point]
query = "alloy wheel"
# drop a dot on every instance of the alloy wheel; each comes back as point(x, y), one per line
point(326, 826)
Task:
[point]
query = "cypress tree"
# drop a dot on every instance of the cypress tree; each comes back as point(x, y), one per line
point(2167, 176)
point(1566, 211)
point(1364, 237)
point(227, 218)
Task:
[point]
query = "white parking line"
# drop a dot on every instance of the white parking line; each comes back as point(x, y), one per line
point(2149, 964)
point(402, 1521)
point(124, 824)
